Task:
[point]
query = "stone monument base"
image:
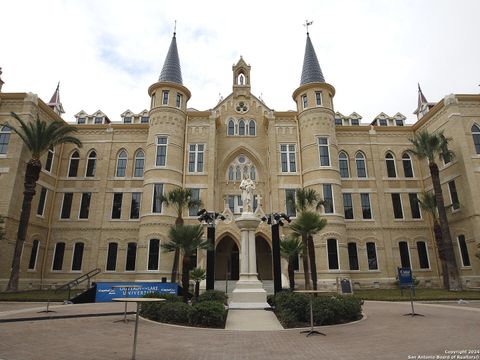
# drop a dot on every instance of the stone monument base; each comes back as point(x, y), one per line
point(248, 294)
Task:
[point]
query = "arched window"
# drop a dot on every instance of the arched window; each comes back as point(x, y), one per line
point(332, 251)
point(252, 128)
point(230, 173)
point(77, 256)
point(32, 263)
point(74, 161)
point(121, 164)
point(241, 127)
point(112, 256)
point(361, 165)
point(91, 164)
point(131, 256)
point(407, 165)
point(238, 173)
point(353, 256)
point(153, 254)
point(58, 256)
point(475, 135)
point(4, 139)
point(241, 79)
point(404, 254)
point(231, 127)
point(390, 162)
point(423, 255)
point(50, 156)
point(253, 173)
point(139, 164)
point(343, 165)
point(372, 256)
point(462, 245)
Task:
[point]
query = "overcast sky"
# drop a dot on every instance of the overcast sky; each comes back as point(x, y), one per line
point(107, 53)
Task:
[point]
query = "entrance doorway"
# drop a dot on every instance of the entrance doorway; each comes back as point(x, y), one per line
point(264, 259)
point(227, 263)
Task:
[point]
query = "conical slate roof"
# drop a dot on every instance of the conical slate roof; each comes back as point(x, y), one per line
point(311, 71)
point(172, 71)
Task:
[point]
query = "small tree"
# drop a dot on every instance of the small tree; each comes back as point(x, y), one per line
point(187, 239)
point(197, 275)
point(290, 248)
point(180, 199)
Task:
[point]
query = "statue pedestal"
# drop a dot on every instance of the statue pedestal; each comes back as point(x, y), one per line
point(248, 292)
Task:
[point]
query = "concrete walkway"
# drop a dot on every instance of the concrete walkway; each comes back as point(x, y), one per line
point(385, 334)
point(252, 320)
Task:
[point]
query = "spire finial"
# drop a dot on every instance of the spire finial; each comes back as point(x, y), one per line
point(175, 28)
point(307, 24)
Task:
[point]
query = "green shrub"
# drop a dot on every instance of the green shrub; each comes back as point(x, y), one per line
point(168, 297)
point(151, 310)
point(208, 313)
point(213, 295)
point(295, 303)
point(174, 313)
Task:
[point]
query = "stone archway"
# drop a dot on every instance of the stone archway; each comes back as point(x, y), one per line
point(227, 260)
point(264, 259)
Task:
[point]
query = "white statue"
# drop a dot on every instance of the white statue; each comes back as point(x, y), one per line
point(247, 186)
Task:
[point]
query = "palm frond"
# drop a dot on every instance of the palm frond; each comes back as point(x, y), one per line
point(308, 223)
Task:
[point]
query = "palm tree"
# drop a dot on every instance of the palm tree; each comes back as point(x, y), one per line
point(187, 239)
point(180, 199)
point(197, 275)
point(430, 147)
point(428, 204)
point(290, 248)
point(307, 224)
point(38, 136)
point(304, 200)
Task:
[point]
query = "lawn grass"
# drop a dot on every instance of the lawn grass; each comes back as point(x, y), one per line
point(420, 294)
point(37, 295)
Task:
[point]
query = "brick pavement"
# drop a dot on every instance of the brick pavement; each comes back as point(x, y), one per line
point(384, 334)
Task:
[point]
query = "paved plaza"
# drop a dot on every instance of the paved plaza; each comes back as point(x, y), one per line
point(384, 333)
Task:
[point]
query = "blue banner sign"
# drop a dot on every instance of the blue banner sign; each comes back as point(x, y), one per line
point(405, 277)
point(106, 291)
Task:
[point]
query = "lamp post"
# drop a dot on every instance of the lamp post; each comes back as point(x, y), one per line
point(275, 220)
point(209, 218)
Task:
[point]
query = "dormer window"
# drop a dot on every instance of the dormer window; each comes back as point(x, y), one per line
point(144, 119)
point(355, 122)
point(98, 120)
point(127, 120)
point(399, 122)
point(81, 120)
point(382, 122)
point(338, 121)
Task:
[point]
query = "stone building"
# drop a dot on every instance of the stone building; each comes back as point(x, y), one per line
point(97, 206)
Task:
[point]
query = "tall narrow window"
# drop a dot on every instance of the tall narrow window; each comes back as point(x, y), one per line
point(196, 157)
point(66, 206)
point(288, 158)
point(328, 198)
point(112, 256)
point(91, 164)
point(252, 128)
point(475, 136)
point(343, 165)
point(318, 98)
point(290, 202)
point(348, 205)
point(58, 256)
point(4, 139)
point(165, 97)
point(366, 209)
point(50, 156)
point(179, 100)
point(324, 151)
point(397, 206)
point(372, 256)
point(77, 256)
point(238, 173)
point(73, 166)
point(414, 206)
point(352, 256)
point(161, 151)
point(453, 195)
point(139, 164)
point(235, 203)
point(157, 198)
point(390, 162)
point(361, 165)
point(32, 263)
point(85, 205)
point(135, 205)
point(231, 127)
point(332, 254)
point(41, 201)
point(117, 205)
point(131, 257)
point(304, 101)
point(230, 173)
point(121, 164)
point(462, 244)
point(192, 211)
point(241, 127)
point(153, 254)
point(407, 165)
point(253, 173)
point(404, 254)
point(422, 255)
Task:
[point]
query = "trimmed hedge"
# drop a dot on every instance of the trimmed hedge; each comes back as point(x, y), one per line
point(209, 314)
point(213, 295)
point(293, 310)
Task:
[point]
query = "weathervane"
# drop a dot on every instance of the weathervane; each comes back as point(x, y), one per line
point(175, 27)
point(307, 24)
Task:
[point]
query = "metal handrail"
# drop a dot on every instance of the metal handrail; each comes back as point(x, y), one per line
point(79, 280)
